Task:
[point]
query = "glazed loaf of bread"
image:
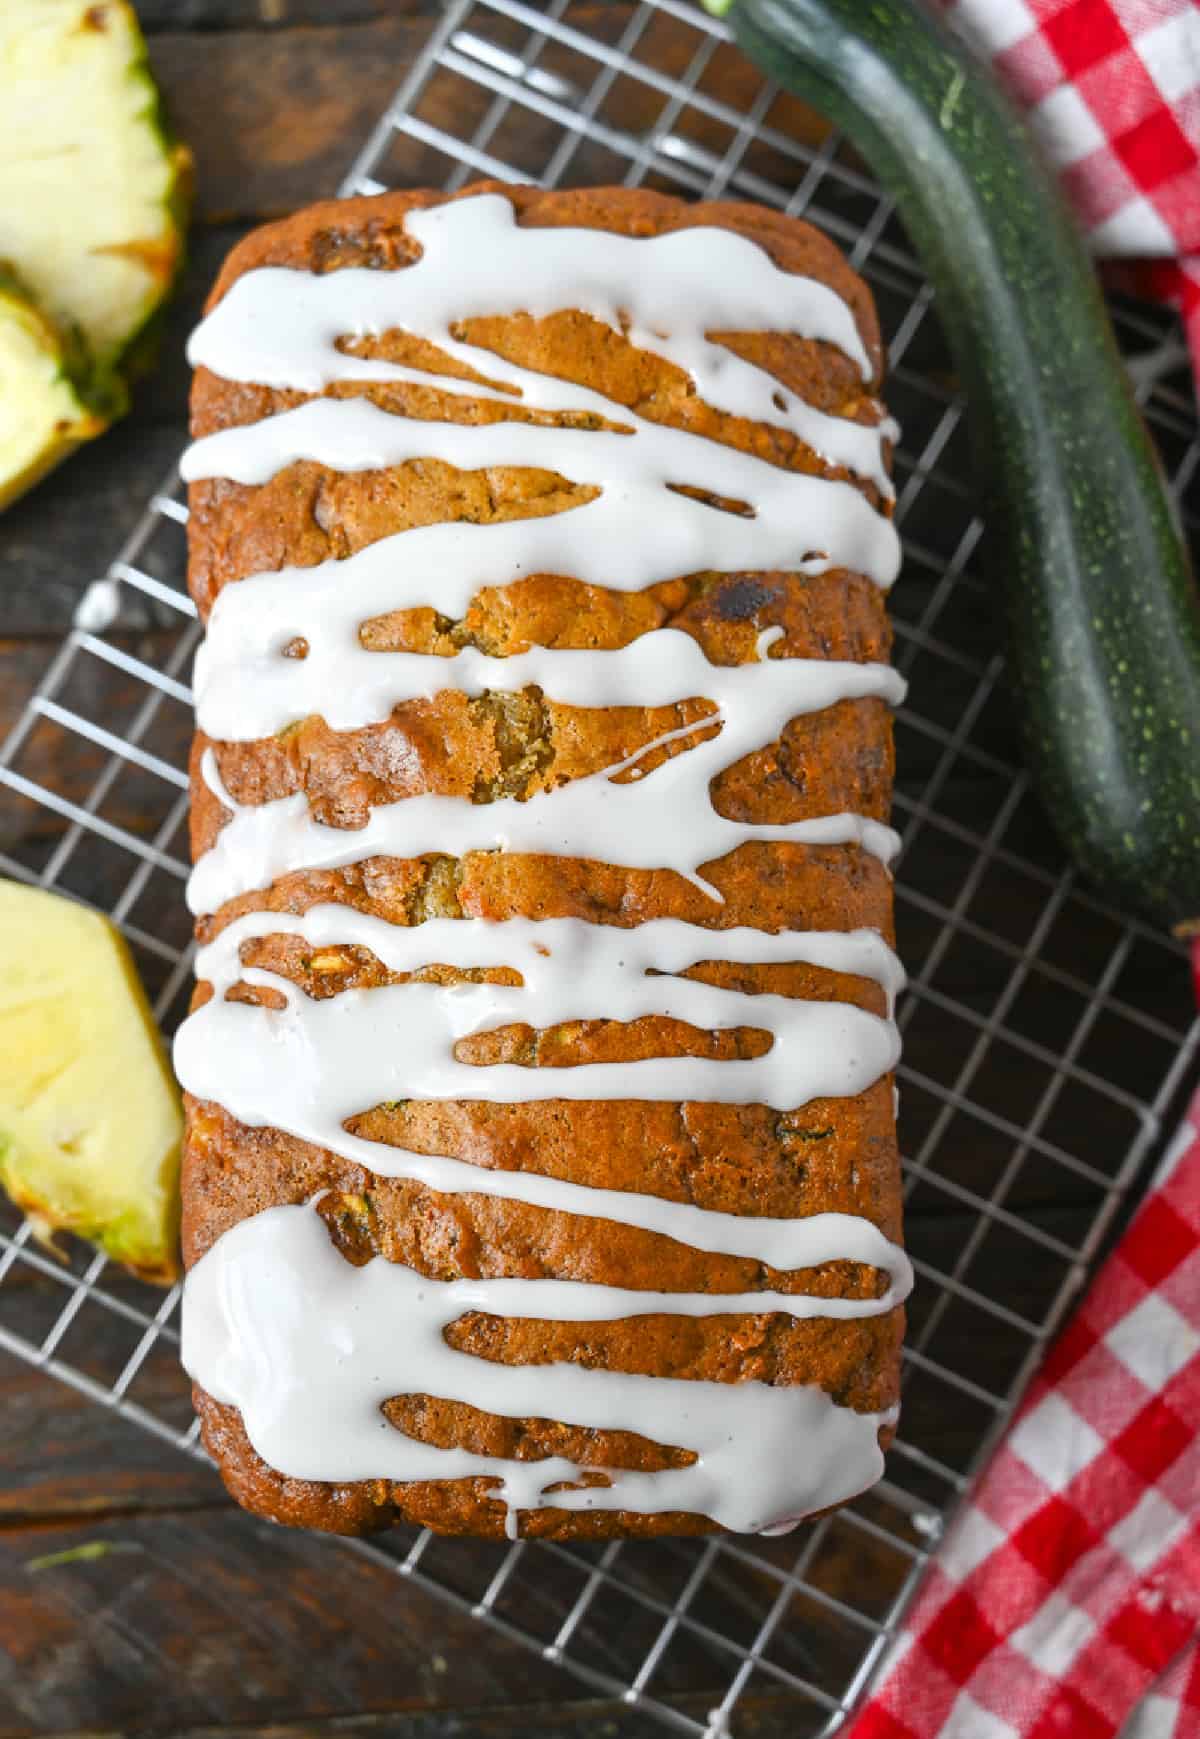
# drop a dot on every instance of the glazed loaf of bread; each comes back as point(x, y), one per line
point(541, 1169)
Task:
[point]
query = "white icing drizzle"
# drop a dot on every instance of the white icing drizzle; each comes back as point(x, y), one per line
point(338, 1055)
point(781, 1243)
point(306, 1346)
point(452, 563)
point(635, 824)
point(585, 953)
point(799, 515)
point(239, 698)
point(589, 817)
point(281, 327)
point(275, 1321)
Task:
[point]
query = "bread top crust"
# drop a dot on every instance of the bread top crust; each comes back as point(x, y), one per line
point(367, 230)
point(831, 1155)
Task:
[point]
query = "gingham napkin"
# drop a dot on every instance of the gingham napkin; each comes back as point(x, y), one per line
point(1065, 1602)
point(1112, 89)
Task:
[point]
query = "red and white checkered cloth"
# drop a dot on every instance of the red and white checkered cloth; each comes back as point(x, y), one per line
point(1065, 1602)
point(1112, 88)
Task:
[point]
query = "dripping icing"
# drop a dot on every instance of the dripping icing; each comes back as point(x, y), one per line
point(594, 818)
point(589, 817)
point(240, 698)
point(281, 328)
point(334, 1057)
point(635, 472)
point(273, 1298)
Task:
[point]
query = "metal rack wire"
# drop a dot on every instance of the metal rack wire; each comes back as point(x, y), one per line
point(1062, 1011)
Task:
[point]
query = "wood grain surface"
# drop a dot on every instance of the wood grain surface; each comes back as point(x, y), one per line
point(180, 1615)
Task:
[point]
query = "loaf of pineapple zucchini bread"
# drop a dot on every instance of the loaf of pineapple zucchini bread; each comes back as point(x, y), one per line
point(541, 1169)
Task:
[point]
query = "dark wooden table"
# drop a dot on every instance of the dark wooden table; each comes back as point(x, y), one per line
point(193, 1618)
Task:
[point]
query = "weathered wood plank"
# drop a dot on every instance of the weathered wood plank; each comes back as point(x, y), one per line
point(62, 1457)
point(758, 1717)
point(213, 1619)
point(273, 118)
point(208, 16)
point(65, 533)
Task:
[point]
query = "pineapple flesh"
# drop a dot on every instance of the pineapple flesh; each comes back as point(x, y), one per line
point(93, 197)
point(46, 406)
point(90, 1116)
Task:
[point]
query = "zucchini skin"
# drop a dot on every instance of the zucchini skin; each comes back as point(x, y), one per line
point(1103, 618)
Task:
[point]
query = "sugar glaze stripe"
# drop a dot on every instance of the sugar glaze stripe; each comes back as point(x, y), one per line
point(281, 328)
point(264, 841)
point(240, 698)
point(273, 1298)
point(340, 1054)
point(791, 515)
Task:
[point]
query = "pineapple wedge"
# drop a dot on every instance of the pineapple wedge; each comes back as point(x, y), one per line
point(93, 200)
point(46, 406)
point(92, 189)
point(90, 1116)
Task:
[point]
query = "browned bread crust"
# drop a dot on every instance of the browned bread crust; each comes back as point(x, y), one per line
point(829, 1155)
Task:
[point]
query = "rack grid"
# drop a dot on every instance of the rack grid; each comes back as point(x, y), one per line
point(1035, 1014)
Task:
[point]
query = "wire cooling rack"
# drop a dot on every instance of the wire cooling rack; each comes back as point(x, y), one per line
point(1046, 1040)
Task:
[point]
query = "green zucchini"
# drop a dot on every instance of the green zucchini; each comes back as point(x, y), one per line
point(1104, 623)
